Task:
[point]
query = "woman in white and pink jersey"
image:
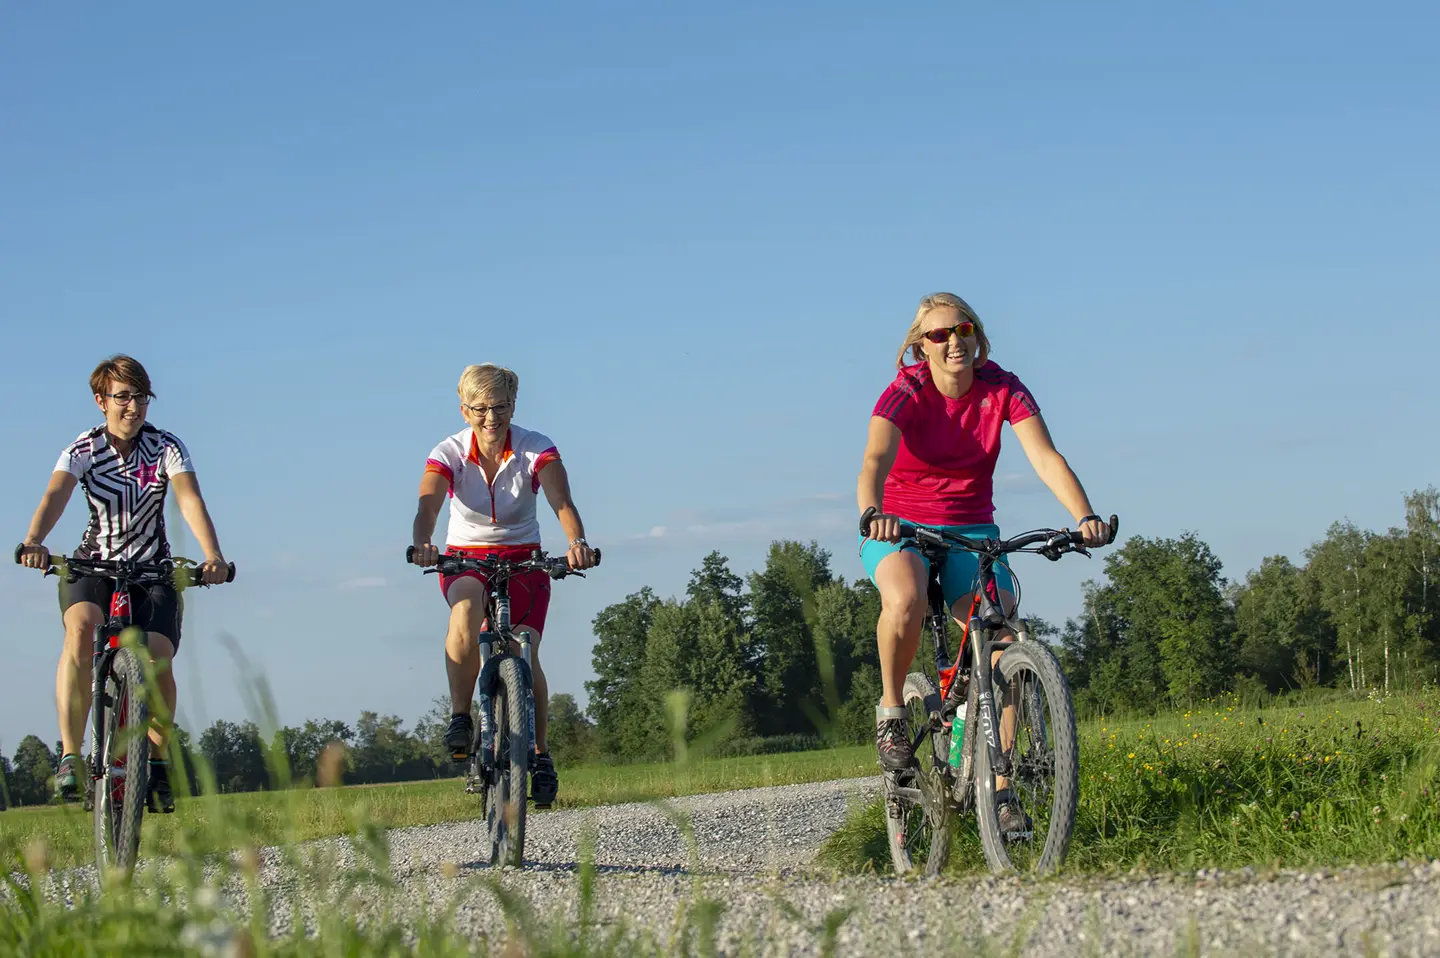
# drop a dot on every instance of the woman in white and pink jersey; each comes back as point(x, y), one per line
point(930, 460)
point(492, 473)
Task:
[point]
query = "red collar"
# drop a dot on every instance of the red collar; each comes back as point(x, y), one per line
point(474, 455)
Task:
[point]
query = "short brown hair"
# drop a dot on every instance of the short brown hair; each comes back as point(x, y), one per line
point(121, 369)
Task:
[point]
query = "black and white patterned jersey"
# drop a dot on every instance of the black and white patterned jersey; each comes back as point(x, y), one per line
point(126, 496)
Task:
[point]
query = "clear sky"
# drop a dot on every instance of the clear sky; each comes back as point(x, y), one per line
point(1204, 235)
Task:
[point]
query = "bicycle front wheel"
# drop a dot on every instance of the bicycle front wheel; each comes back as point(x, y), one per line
point(120, 793)
point(505, 799)
point(1037, 728)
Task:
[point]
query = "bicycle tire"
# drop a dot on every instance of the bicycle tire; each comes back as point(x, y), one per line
point(1058, 750)
point(924, 829)
point(120, 793)
point(506, 799)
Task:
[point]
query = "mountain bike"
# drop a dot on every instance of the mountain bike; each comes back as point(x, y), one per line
point(118, 788)
point(961, 743)
point(503, 750)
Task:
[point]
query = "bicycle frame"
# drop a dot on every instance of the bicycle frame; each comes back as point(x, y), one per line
point(497, 588)
point(107, 643)
point(985, 618)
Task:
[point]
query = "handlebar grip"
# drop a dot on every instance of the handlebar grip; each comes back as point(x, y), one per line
point(865, 518)
point(51, 561)
point(1114, 528)
point(410, 554)
point(597, 556)
point(231, 576)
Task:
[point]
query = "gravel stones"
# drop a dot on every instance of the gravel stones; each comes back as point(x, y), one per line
point(751, 854)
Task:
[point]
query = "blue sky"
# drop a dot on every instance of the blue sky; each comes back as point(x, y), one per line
point(1205, 237)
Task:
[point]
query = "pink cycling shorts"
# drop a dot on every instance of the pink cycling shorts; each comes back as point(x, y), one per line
point(529, 591)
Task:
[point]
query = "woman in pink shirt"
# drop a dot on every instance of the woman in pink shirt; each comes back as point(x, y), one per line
point(930, 460)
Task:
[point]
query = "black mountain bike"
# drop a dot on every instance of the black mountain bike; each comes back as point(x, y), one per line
point(118, 788)
point(501, 757)
point(1030, 741)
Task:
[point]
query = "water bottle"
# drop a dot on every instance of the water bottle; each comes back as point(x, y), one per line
point(957, 736)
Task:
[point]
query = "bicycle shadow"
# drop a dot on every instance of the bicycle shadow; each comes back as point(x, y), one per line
point(604, 869)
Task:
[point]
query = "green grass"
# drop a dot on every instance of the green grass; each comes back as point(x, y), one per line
point(1223, 786)
point(300, 814)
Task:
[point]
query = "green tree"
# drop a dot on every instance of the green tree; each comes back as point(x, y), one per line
point(783, 607)
point(385, 752)
point(1335, 566)
point(571, 735)
point(236, 756)
point(32, 772)
point(1283, 635)
point(714, 582)
point(618, 657)
point(1159, 629)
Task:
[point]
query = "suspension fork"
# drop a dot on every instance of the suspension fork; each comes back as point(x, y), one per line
point(985, 621)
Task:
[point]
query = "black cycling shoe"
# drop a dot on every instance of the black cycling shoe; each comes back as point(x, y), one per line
point(1014, 823)
point(67, 778)
point(160, 798)
point(544, 783)
point(892, 741)
point(460, 737)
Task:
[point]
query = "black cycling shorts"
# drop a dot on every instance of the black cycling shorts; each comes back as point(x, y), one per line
point(154, 608)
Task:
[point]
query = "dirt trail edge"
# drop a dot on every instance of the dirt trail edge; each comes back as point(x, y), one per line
point(752, 852)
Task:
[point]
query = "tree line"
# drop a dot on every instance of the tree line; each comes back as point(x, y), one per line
point(1167, 627)
point(785, 657)
point(241, 758)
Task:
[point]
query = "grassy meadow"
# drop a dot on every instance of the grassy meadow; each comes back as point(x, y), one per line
point(1219, 785)
point(300, 814)
point(1333, 782)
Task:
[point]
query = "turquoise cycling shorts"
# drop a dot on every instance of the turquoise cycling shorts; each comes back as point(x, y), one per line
point(957, 578)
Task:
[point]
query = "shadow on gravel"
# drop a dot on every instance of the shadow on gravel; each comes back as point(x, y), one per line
point(560, 867)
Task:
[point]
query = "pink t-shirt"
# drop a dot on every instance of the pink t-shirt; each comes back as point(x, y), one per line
point(945, 467)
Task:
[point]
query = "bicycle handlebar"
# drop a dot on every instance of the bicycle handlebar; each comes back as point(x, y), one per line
point(554, 566)
point(72, 568)
point(1053, 542)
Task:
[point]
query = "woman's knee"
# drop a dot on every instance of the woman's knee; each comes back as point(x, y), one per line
point(900, 579)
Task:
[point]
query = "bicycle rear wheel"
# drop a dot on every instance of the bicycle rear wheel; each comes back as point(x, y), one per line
point(120, 794)
point(919, 819)
point(1045, 775)
point(505, 799)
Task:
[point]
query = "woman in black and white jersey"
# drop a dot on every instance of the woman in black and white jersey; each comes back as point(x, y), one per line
point(125, 467)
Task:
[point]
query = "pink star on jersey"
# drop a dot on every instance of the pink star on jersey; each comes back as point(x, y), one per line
point(145, 475)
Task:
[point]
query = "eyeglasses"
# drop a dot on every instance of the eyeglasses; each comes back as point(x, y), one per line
point(125, 399)
point(942, 335)
point(500, 409)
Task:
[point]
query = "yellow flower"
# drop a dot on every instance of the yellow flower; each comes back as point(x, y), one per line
point(1132, 755)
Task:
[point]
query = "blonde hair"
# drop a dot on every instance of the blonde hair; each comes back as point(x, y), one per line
point(939, 301)
point(488, 379)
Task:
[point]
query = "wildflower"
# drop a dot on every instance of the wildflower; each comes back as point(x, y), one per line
point(1132, 755)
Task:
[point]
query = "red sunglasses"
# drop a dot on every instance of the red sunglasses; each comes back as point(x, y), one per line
point(942, 335)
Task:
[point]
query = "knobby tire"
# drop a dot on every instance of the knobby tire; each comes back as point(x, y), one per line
point(1043, 696)
point(119, 803)
point(506, 799)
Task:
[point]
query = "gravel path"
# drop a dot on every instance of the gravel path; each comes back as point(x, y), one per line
point(755, 849)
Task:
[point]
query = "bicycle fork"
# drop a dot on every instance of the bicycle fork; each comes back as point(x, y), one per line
point(983, 647)
point(490, 676)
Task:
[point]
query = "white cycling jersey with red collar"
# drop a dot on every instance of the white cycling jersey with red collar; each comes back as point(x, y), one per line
point(494, 510)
